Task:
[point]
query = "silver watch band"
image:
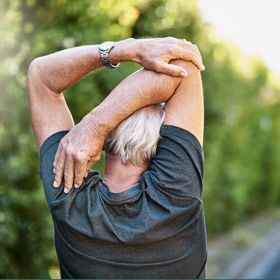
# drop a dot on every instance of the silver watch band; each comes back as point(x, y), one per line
point(104, 50)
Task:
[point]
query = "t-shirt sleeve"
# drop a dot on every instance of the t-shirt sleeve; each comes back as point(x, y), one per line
point(177, 168)
point(47, 155)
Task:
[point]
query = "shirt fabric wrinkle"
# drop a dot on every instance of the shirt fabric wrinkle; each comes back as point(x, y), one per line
point(155, 229)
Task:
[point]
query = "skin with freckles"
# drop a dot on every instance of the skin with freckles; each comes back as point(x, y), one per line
point(163, 77)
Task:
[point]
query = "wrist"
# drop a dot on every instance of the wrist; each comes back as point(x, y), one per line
point(124, 51)
point(98, 123)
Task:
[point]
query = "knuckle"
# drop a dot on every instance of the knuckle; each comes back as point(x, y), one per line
point(195, 46)
point(65, 142)
point(67, 185)
point(187, 43)
point(193, 55)
point(78, 180)
point(196, 49)
point(96, 158)
point(62, 143)
point(78, 175)
point(64, 146)
point(70, 151)
point(171, 51)
point(80, 157)
point(68, 180)
point(59, 166)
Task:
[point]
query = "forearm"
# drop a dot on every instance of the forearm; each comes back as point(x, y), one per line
point(60, 70)
point(140, 89)
point(53, 74)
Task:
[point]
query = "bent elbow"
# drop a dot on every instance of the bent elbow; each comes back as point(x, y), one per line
point(33, 68)
point(33, 76)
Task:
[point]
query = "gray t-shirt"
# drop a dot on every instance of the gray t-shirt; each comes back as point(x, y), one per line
point(155, 229)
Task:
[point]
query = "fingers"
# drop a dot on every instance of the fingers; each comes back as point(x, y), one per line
point(190, 55)
point(80, 170)
point(177, 71)
point(59, 168)
point(88, 167)
point(90, 164)
point(155, 54)
point(69, 173)
point(192, 47)
point(188, 51)
point(171, 70)
point(56, 159)
point(73, 168)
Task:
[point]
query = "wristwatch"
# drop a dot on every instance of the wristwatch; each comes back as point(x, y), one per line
point(104, 50)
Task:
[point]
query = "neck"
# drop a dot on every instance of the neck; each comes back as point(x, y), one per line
point(119, 177)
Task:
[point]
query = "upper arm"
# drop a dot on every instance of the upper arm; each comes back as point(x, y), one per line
point(185, 108)
point(178, 163)
point(177, 168)
point(49, 111)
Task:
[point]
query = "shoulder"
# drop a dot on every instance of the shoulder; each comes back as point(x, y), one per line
point(178, 166)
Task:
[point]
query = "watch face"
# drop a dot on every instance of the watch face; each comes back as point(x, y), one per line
point(106, 46)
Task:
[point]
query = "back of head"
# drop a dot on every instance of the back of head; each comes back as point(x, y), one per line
point(135, 138)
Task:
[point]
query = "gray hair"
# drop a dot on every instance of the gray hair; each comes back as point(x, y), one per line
point(135, 138)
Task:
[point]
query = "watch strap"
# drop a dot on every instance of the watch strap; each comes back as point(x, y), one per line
point(104, 50)
point(106, 61)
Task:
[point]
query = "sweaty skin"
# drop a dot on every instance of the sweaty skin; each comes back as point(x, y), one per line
point(49, 76)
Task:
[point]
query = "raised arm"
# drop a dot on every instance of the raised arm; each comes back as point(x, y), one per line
point(184, 108)
point(49, 76)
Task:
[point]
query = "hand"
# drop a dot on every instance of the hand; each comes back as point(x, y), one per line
point(76, 154)
point(155, 54)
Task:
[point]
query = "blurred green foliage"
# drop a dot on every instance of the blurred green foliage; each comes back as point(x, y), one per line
point(241, 114)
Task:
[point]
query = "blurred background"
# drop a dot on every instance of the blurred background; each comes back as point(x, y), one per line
point(239, 46)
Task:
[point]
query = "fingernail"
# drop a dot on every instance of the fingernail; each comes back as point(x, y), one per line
point(66, 190)
point(76, 186)
point(53, 170)
point(184, 74)
point(55, 184)
point(203, 67)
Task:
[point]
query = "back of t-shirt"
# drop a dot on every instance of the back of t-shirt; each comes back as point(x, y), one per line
point(153, 230)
